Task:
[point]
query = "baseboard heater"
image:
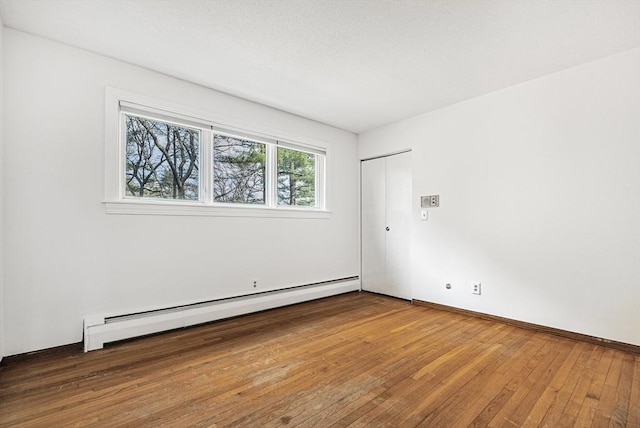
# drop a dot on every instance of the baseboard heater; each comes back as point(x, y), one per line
point(100, 329)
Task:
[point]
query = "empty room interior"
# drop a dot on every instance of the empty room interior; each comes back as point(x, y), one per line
point(320, 213)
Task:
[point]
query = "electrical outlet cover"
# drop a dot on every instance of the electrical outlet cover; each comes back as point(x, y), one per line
point(476, 288)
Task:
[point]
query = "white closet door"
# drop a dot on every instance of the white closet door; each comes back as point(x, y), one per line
point(374, 275)
point(398, 204)
point(386, 225)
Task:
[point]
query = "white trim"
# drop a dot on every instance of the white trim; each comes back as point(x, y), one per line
point(301, 148)
point(271, 174)
point(386, 155)
point(206, 164)
point(118, 102)
point(217, 121)
point(188, 208)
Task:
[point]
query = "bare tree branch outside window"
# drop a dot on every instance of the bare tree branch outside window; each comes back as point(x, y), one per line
point(162, 159)
point(239, 170)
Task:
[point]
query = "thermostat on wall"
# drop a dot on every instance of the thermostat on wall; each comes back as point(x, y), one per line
point(430, 201)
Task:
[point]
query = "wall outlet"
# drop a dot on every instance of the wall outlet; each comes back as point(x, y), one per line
point(255, 284)
point(476, 288)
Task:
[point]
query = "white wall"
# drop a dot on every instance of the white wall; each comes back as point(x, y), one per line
point(1, 201)
point(540, 199)
point(65, 258)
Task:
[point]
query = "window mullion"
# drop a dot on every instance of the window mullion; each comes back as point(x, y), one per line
point(271, 174)
point(206, 167)
point(323, 183)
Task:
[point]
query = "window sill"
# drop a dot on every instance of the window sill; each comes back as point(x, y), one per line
point(201, 210)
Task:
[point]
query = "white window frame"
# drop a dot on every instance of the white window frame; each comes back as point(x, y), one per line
point(119, 102)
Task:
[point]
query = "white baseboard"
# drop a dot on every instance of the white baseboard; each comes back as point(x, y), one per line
point(99, 330)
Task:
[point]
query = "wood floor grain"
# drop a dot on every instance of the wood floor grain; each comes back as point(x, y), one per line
point(353, 360)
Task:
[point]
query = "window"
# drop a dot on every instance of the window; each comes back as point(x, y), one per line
point(238, 170)
point(165, 159)
point(162, 159)
point(296, 178)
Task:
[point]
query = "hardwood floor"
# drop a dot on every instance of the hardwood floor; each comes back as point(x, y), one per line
point(353, 360)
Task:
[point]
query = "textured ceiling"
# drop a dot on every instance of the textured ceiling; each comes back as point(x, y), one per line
point(355, 65)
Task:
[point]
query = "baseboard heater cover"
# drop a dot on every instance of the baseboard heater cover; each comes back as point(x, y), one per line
point(99, 330)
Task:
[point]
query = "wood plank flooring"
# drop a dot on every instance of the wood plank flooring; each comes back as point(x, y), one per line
point(353, 360)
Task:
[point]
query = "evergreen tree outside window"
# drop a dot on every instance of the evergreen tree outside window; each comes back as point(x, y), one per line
point(296, 178)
